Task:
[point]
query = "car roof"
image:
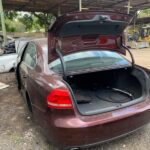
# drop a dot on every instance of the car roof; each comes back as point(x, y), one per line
point(41, 42)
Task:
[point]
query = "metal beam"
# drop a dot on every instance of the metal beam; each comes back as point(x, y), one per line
point(56, 5)
point(73, 5)
point(3, 23)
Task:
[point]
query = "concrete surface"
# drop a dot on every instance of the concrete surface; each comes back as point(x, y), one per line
point(19, 132)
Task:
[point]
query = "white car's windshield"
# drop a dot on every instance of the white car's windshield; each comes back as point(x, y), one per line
point(89, 60)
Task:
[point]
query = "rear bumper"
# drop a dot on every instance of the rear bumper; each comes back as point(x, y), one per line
point(74, 132)
point(101, 142)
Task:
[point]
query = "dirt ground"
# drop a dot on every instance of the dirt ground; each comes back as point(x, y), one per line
point(19, 132)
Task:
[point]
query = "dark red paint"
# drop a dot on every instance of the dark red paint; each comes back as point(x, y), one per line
point(67, 127)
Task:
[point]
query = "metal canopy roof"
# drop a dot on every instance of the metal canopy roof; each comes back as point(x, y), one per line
point(64, 6)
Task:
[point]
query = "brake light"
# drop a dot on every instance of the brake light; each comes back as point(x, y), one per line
point(59, 99)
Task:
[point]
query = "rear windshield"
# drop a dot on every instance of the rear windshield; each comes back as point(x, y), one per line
point(89, 60)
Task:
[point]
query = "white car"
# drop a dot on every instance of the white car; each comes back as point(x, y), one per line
point(8, 61)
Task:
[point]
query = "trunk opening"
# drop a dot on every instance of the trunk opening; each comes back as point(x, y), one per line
point(105, 91)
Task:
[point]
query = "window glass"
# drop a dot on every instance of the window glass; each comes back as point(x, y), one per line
point(30, 55)
point(90, 60)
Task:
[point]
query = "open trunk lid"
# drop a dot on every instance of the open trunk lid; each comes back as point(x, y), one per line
point(87, 31)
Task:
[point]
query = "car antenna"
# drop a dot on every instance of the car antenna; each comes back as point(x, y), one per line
point(62, 63)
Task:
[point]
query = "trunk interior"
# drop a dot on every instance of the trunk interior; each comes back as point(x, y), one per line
point(105, 91)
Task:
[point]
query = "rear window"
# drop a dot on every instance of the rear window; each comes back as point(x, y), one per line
point(89, 60)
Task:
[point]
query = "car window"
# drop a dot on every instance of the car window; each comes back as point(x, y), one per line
point(30, 55)
point(20, 52)
point(90, 60)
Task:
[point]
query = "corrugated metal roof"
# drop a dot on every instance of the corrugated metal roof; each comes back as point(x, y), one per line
point(64, 6)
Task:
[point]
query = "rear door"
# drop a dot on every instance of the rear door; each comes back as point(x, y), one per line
point(28, 64)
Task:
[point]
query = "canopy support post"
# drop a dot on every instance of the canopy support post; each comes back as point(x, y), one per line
point(3, 22)
point(128, 7)
point(80, 5)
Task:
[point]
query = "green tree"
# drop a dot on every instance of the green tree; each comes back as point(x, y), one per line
point(11, 15)
point(21, 22)
point(44, 20)
point(36, 21)
point(144, 13)
point(27, 20)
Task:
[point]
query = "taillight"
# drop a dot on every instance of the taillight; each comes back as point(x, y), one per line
point(59, 99)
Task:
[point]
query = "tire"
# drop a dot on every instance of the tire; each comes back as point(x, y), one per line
point(28, 101)
point(18, 78)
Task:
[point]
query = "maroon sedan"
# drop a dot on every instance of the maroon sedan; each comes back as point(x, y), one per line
point(78, 86)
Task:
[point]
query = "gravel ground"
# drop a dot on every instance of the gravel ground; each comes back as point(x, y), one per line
point(19, 132)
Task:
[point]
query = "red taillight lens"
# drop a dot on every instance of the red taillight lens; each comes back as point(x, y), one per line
point(59, 99)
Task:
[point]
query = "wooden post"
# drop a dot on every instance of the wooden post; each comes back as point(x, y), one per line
point(128, 7)
point(3, 22)
point(80, 5)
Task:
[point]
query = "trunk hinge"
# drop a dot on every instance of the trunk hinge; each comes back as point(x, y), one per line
point(62, 64)
point(131, 55)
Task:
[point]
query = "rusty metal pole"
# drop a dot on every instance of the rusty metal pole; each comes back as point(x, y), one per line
point(3, 23)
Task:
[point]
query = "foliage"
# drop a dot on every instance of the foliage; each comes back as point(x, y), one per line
point(36, 21)
point(11, 15)
point(27, 22)
point(12, 24)
point(144, 13)
point(15, 26)
point(43, 20)
point(33, 22)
